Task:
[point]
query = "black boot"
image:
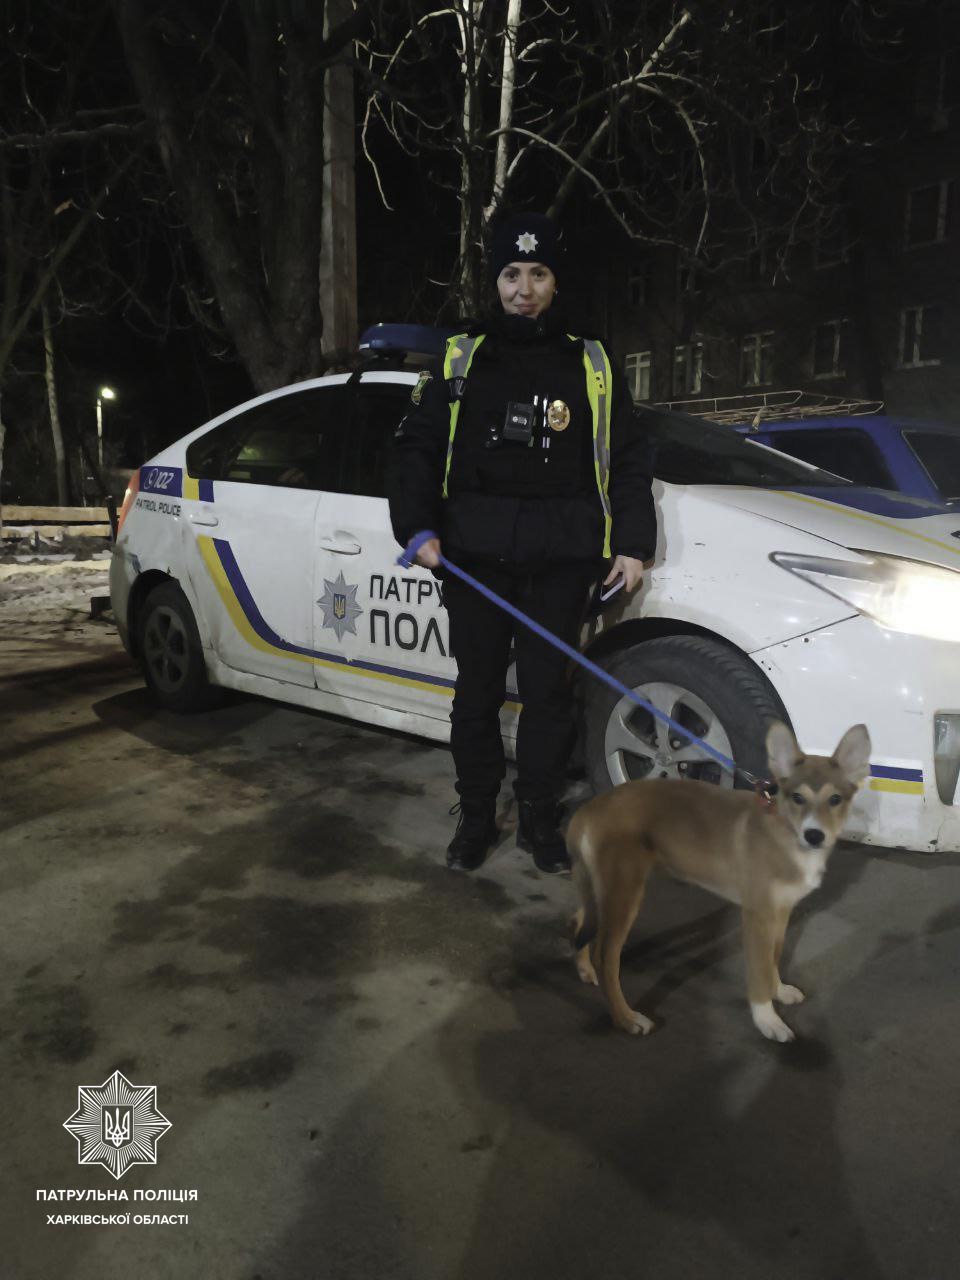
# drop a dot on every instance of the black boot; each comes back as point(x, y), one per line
point(476, 832)
point(538, 834)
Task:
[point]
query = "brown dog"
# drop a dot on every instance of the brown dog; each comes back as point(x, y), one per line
point(764, 857)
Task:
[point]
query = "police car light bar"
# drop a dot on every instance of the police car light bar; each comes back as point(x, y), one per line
point(404, 339)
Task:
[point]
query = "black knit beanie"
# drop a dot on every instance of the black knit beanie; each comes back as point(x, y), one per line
point(525, 237)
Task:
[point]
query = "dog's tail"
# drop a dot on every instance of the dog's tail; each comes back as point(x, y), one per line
point(583, 881)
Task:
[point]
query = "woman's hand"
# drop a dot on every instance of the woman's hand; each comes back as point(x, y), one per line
point(429, 554)
point(628, 568)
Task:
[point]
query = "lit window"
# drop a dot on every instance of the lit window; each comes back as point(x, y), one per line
point(756, 359)
point(920, 336)
point(928, 214)
point(935, 86)
point(637, 285)
point(638, 374)
point(688, 369)
point(829, 349)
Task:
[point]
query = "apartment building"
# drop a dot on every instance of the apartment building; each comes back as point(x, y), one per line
point(867, 307)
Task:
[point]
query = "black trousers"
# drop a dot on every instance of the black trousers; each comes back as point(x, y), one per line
point(556, 596)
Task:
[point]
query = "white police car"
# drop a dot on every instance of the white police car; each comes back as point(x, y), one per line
point(256, 554)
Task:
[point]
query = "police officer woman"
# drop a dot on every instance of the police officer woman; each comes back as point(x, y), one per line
point(527, 462)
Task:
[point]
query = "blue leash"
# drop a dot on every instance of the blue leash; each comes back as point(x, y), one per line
point(406, 559)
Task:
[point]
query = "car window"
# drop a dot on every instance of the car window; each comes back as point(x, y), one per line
point(939, 452)
point(686, 450)
point(847, 451)
point(377, 413)
point(296, 440)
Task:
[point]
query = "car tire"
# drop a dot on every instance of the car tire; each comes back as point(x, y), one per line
point(705, 686)
point(171, 654)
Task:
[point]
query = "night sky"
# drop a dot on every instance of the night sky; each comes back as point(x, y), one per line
point(120, 311)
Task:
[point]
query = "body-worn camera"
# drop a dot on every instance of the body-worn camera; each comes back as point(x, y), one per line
point(517, 426)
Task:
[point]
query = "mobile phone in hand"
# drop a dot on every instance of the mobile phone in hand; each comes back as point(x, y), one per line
point(611, 590)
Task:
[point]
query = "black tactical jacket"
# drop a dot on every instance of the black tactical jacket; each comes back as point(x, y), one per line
point(525, 504)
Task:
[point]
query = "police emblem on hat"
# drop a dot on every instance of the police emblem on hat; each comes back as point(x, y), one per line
point(558, 416)
point(117, 1124)
point(526, 242)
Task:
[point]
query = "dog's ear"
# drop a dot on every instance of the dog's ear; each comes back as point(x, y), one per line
point(782, 750)
point(852, 755)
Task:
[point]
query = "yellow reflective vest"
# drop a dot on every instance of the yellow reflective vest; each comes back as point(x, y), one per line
point(461, 349)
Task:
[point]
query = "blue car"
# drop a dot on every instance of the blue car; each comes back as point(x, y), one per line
point(917, 458)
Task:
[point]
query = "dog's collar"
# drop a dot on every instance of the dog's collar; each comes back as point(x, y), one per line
point(766, 792)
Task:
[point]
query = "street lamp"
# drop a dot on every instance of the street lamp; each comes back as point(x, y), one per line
point(105, 393)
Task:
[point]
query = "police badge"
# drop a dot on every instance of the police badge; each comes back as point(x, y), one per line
point(558, 416)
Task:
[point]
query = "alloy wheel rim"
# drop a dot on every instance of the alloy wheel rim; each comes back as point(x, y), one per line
point(639, 745)
point(166, 650)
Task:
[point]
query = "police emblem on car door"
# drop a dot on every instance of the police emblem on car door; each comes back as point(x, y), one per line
point(339, 608)
point(388, 623)
point(253, 535)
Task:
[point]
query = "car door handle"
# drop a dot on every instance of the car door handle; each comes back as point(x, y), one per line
point(204, 516)
point(344, 544)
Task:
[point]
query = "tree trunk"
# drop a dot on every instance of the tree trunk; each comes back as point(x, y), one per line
point(59, 456)
point(194, 178)
point(507, 85)
point(471, 222)
point(269, 299)
point(338, 241)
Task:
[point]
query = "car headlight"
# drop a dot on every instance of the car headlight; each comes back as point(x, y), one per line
point(903, 595)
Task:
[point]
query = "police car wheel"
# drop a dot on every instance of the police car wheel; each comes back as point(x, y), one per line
point(701, 684)
point(171, 653)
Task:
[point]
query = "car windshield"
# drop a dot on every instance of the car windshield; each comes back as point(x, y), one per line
point(686, 450)
point(939, 451)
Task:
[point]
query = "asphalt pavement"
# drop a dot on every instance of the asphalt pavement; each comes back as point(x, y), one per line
point(374, 1068)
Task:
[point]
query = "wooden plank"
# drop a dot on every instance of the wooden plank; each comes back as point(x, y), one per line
point(71, 515)
point(14, 533)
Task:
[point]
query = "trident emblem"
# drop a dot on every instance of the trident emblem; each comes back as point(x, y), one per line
point(116, 1127)
point(117, 1124)
point(339, 605)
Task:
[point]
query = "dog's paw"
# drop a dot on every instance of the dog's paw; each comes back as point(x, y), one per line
point(789, 995)
point(769, 1023)
point(587, 972)
point(635, 1024)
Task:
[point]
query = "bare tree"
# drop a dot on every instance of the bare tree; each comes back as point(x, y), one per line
point(57, 171)
point(34, 254)
point(234, 96)
point(53, 403)
point(700, 127)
